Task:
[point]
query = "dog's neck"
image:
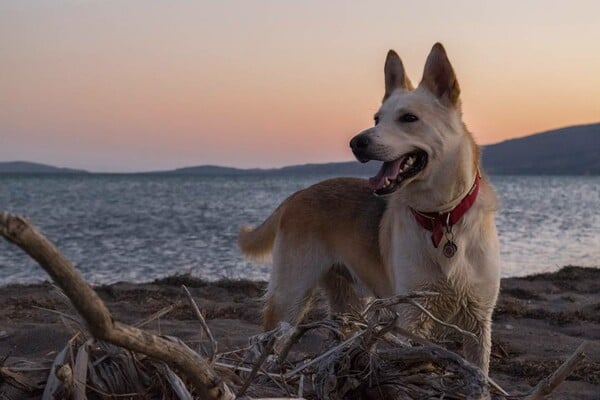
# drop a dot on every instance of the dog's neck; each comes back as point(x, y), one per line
point(448, 184)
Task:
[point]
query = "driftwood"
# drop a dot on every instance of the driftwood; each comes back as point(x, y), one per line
point(547, 385)
point(18, 380)
point(367, 354)
point(200, 374)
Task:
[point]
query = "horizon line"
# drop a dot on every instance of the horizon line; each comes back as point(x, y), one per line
point(80, 170)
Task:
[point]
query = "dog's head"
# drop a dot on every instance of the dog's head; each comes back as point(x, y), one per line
point(416, 130)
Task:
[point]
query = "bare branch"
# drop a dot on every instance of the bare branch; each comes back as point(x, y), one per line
point(548, 384)
point(439, 321)
point(21, 232)
point(200, 317)
point(496, 386)
point(157, 315)
point(261, 360)
point(327, 353)
point(20, 381)
point(392, 301)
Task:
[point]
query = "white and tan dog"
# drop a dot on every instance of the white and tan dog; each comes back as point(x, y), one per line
point(425, 222)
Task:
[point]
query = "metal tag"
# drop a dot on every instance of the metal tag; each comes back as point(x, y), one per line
point(449, 249)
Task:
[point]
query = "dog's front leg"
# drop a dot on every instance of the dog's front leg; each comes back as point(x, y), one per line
point(414, 320)
point(478, 351)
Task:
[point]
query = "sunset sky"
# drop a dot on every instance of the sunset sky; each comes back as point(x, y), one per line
point(147, 85)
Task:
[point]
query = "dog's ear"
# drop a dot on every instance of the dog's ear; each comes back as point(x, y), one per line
point(395, 76)
point(439, 77)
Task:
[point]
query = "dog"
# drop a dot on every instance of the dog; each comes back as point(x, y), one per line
point(426, 221)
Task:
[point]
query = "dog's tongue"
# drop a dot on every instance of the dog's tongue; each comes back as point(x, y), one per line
point(388, 170)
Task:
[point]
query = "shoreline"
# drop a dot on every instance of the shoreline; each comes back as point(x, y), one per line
point(538, 322)
point(193, 277)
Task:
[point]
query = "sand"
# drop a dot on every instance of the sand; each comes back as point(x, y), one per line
point(539, 321)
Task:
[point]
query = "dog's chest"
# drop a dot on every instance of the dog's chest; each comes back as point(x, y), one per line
point(415, 262)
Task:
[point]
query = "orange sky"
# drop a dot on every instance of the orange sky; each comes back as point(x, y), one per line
point(143, 85)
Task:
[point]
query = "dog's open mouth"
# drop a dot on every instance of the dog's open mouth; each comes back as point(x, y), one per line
point(393, 173)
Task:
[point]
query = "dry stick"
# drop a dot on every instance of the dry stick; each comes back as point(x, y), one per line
point(280, 386)
point(439, 321)
point(20, 381)
point(240, 368)
point(301, 386)
point(428, 343)
point(399, 298)
point(425, 342)
point(62, 314)
point(261, 360)
point(473, 380)
point(298, 332)
point(380, 303)
point(21, 232)
point(157, 315)
point(226, 353)
point(327, 353)
point(548, 384)
point(497, 386)
point(213, 342)
point(409, 298)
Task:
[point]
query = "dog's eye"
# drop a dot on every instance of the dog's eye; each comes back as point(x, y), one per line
point(408, 118)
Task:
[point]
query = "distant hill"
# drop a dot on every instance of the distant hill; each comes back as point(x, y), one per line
point(24, 167)
point(573, 150)
point(210, 170)
point(351, 168)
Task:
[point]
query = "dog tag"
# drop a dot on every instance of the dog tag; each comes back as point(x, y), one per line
point(449, 249)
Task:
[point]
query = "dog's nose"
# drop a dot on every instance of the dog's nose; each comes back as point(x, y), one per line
point(359, 142)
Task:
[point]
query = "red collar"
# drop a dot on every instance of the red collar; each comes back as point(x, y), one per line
point(436, 222)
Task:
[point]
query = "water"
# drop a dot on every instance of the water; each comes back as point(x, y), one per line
point(138, 228)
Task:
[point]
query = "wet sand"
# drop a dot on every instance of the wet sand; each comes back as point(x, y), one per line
point(539, 321)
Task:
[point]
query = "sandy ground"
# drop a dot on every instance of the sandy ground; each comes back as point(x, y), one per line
point(539, 321)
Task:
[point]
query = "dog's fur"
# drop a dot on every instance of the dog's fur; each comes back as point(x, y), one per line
point(338, 235)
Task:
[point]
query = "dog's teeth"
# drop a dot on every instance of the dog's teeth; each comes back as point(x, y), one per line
point(410, 161)
point(386, 182)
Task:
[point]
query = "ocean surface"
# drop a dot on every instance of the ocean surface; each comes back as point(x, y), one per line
point(141, 227)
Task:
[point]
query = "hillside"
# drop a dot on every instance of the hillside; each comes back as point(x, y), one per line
point(24, 167)
point(351, 168)
point(573, 150)
point(209, 170)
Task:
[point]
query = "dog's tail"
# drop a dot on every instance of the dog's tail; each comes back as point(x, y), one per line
point(257, 243)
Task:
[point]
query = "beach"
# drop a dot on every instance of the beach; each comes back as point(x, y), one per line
point(538, 322)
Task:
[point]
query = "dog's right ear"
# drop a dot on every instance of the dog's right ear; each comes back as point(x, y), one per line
point(395, 76)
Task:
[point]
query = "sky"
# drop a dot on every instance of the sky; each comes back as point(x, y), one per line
point(146, 85)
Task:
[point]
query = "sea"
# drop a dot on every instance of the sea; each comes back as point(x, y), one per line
point(138, 228)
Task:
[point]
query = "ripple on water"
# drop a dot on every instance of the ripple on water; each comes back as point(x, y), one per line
point(138, 228)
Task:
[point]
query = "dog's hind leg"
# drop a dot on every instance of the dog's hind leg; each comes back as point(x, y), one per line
point(297, 271)
point(289, 308)
point(338, 284)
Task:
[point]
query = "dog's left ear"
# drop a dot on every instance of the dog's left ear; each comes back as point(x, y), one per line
point(439, 77)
